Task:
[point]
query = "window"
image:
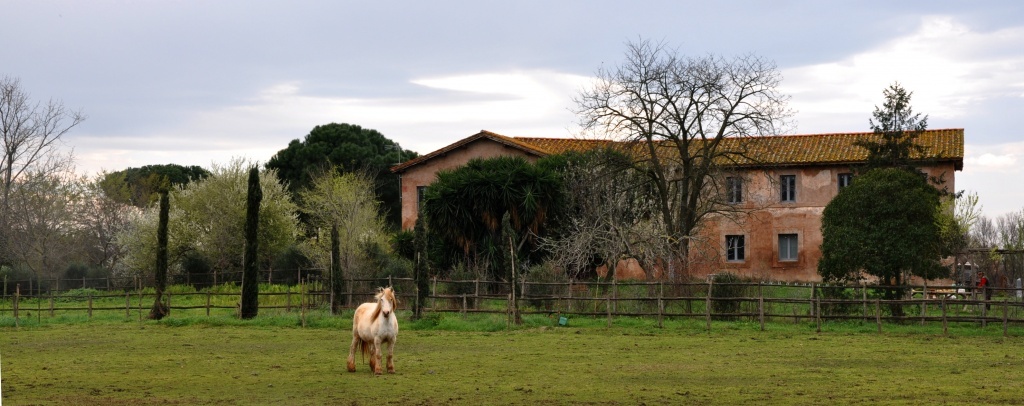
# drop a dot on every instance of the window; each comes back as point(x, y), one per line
point(734, 247)
point(419, 198)
point(844, 180)
point(787, 247)
point(734, 189)
point(788, 187)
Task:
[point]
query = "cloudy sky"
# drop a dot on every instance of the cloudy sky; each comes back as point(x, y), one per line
point(200, 82)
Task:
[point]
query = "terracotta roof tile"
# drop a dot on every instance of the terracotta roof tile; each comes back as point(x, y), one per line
point(781, 150)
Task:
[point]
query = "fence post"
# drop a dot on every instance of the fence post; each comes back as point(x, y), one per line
point(615, 295)
point(90, 303)
point(813, 295)
point(878, 314)
point(817, 311)
point(463, 305)
point(139, 284)
point(208, 302)
point(127, 305)
point(476, 293)
point(1006, 312)
point(864, 300)
point(569, 300)
point(924, 301)
point(707, 305)
point(661, 305)
point(760, 303)
point(608, 308)
point(984, 307)
point(302, 301)
point(51, 303)
point(945, 328)
point(17, 295)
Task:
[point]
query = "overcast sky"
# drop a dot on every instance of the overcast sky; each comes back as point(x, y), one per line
point(201, 82)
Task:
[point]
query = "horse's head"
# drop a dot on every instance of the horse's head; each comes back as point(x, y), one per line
point(386, 301)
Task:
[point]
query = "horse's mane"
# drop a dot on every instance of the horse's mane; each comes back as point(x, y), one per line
point(381, 292)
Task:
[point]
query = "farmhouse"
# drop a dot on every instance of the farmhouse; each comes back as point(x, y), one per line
point(782, 192)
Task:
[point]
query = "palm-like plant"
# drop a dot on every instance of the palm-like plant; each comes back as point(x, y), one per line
point(465, 206)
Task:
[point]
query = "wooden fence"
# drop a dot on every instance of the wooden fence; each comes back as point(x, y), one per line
point(706, 301)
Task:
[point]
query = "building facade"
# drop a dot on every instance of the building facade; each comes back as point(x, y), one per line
point(775, 233)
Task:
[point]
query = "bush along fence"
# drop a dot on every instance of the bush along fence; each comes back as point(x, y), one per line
point(756, 302)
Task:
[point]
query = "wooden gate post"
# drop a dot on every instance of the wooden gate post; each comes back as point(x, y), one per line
point(707, 305)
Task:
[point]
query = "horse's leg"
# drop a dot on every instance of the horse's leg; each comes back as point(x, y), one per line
point(391, 353)
point(352, 353)
point(375, 358)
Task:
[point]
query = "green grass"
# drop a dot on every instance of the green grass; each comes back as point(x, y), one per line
point(448, 359)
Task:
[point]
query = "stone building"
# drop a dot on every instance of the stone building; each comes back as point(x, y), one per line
point(777, 233)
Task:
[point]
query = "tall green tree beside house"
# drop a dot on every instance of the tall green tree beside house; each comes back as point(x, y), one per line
point(887, 223)
point(884, 225)
point(465, 206)
point(897, 128)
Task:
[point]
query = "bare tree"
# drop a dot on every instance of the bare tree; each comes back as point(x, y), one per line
point(688, 120)
point(102, 218)
point(45, 213)
point(611, 217)
point(29, 140)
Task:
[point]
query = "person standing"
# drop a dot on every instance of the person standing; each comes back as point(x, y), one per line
point(982, 286)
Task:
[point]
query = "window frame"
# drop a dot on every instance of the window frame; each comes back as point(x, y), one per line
point(735, 252)
point(421, 191)
point(734, 189)
point(793, 245)
point(787, 183)
point(844, 179)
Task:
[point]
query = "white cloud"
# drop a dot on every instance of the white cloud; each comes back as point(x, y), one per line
point(1000, 158)
point(949, 67)
point(514, 103)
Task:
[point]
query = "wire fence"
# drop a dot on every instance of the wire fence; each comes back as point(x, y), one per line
point(702, 300)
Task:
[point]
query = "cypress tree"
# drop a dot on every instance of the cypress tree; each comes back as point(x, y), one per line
point(250, 263)
point(159, 309)
point(337, 280)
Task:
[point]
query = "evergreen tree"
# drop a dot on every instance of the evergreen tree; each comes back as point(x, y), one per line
point(159, 309)
point(250, 260)
point(897, 127)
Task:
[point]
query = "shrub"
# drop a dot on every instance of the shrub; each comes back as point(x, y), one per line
point(728, 286)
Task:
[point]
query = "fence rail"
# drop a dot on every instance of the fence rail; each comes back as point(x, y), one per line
point(759, 302)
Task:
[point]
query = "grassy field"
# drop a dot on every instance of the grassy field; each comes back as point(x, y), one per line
point(272, 360)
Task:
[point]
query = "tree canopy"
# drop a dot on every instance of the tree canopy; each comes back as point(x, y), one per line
point(345, 201)
point(140, 187)
point(345, 148)
point(884, 225)
point(898, 127)
point(679, 111)
point(465, 206)
point(208, 218)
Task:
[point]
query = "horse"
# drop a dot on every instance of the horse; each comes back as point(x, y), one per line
point(374, 324)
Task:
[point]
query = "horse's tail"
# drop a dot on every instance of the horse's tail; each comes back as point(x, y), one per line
point(365, 348)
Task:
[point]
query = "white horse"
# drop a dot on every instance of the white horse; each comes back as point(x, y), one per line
point(374, 324)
